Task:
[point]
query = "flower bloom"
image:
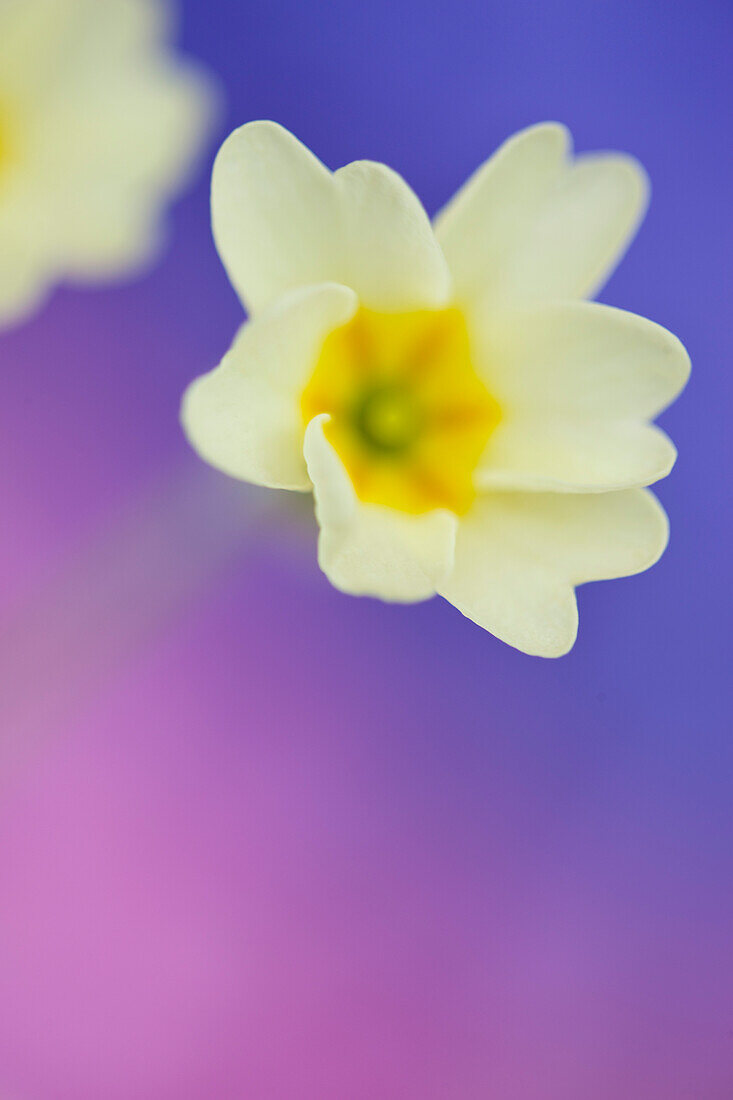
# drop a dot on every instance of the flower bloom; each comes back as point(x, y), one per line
point(98, 123)
point(469, 423)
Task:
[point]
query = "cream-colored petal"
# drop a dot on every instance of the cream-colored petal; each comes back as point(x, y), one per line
point(495, 209)
point(519, 556)
point(244, 416)
point(582, 231)
point(532, 225)
point(369, 550)
point(574, 456)
point(581, 356)
point(282, 220)
point(576, 383)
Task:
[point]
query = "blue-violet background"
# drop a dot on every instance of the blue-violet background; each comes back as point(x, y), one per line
point(261, 841)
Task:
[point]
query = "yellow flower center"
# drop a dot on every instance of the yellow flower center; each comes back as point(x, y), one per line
point(7, 144)
point(410, 417)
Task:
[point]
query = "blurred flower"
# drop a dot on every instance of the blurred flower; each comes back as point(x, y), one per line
point(98, 124)
point(468, 423)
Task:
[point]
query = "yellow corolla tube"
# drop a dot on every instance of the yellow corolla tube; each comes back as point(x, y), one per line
point(409, 416)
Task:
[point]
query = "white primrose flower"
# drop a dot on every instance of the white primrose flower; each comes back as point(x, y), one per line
point(469, 423)
point(98, 124)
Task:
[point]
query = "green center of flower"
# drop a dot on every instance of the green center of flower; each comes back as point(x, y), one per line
point(388, 418)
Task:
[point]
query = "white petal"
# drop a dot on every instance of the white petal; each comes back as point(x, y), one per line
point(244, 416)
point(575, 456)
point(582, 231)
point(481, 225)
point(582, 356)
point(519, 556)
point(116, 162)
point(369, 550)
point(576, 383)
point(282, 220)
point(532, 225)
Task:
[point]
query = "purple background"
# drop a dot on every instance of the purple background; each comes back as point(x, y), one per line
point(293, 846)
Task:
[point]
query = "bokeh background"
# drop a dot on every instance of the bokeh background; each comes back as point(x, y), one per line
point(260, 841)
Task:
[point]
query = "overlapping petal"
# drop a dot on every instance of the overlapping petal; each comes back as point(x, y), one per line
point(282, 220)
point(532, 224)
point(244, 417)
point(577, 383)
point(367, 549)
point(519, 556)
point(575, 456)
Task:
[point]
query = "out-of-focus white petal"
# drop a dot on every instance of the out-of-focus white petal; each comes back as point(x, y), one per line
point(532, 225)
point(144, 133)
point(519, 556)
point(369, 550)
point(45, 43)
point(20, 288)
point(244, 416)
point(576, 383)
point(103, 124)
point(282, 220)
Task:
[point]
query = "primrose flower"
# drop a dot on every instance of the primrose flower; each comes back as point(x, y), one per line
point(469, 424)
point(98, 123)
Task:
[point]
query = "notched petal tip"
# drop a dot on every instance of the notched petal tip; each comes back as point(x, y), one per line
point(281, 220)
point(519, 557)
point(554, 226)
